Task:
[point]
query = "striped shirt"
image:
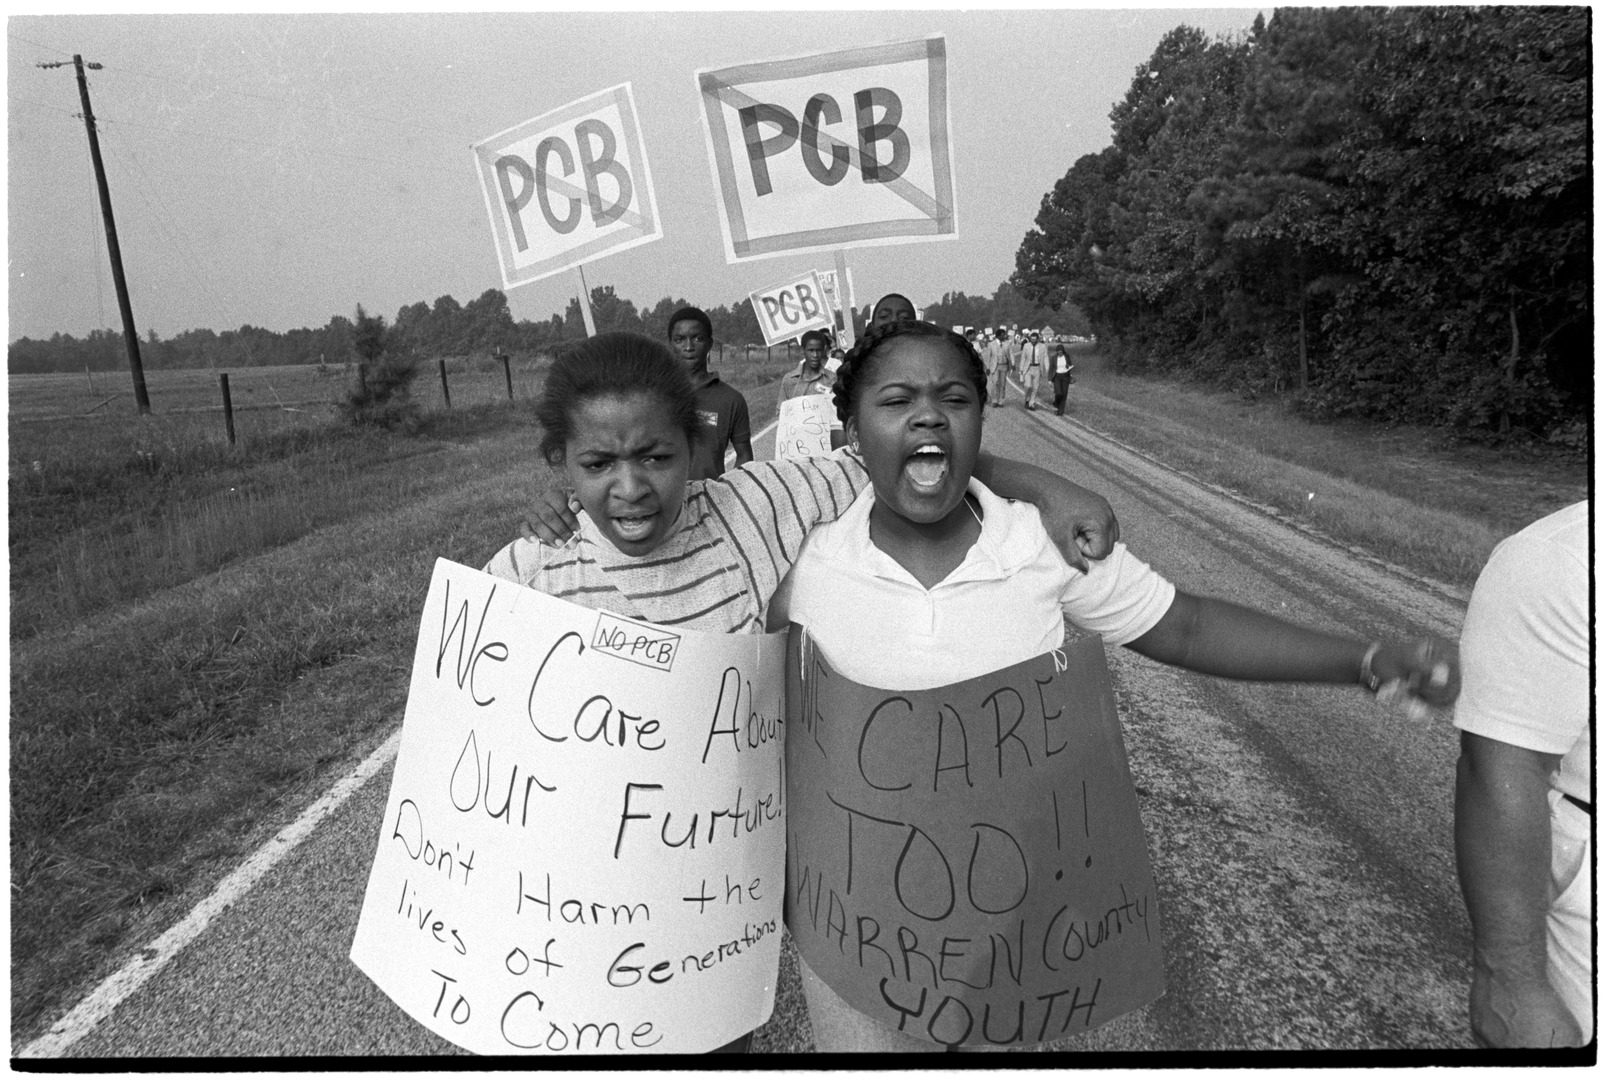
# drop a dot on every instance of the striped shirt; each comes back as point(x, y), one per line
point(736, 538)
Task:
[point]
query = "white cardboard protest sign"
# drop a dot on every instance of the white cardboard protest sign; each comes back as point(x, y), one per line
point(568, 186)
point(832, 150)
point(791, 308)
point(803, 429)
point(583, 846)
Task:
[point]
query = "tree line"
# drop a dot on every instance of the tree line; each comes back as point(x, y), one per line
point(445, 328)
point(1388, 209)
point(482, 326)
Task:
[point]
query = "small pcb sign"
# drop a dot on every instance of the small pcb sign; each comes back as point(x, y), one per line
point(567, 187)
point(791, 308)
point(831, 150)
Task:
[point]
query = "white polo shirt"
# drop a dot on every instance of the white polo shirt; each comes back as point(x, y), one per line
point(1004, 604)
point(1524, 651)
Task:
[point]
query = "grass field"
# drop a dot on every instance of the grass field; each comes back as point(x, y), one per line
point(201, 634)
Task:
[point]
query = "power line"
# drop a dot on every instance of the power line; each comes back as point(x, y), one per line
point(36, 44)
point(185, 251)
point(15, 100)
point(407, 125)
point(260, 144)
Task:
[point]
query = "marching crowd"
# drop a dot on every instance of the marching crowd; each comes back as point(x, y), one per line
point(910, 518)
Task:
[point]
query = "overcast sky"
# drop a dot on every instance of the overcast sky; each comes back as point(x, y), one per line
point(278, 169)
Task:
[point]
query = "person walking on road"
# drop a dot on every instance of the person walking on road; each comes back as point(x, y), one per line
point(726, 421)
point(1523, 814)
point(1031, 363)
point(1063, 375)
point(997, 356)
point(810, 376)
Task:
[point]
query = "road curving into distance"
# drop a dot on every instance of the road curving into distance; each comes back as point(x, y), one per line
point(1301, 838)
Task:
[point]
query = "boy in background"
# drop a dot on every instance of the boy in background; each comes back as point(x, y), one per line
point(726, 422)
point(810, 376)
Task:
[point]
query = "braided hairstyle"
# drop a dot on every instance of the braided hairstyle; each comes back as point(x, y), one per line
point(851, 375)
point(617, 365)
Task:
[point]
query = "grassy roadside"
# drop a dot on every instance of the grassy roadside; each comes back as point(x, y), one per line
point(1407, 495)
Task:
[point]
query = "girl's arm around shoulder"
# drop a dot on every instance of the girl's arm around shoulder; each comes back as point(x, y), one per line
point(1216, 637)
point(818, 488)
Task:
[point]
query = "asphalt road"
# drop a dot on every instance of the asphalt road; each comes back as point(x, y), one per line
point(1301, 838)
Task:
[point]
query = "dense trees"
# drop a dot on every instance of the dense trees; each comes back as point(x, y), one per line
point(1004, 307)
point(1387, 207)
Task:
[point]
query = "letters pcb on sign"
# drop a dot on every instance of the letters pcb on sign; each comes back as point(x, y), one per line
point(579, 855)
point(967, 864)
point(568, 186)
point(790, 309)
point(831, 150)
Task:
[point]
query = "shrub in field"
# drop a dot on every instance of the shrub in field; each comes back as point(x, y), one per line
point(381, 395)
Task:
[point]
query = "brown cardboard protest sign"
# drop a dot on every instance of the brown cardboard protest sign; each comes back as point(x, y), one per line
point(967, 864)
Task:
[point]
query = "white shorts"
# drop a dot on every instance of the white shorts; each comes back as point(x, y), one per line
point(1570, 914)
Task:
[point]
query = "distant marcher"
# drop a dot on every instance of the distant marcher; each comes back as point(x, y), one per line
point(1522, 805)
point(1016, 349)
point(893, 307)
point(1063, 375)
point(1031, 363)
point(726, 422)
point(997, 356)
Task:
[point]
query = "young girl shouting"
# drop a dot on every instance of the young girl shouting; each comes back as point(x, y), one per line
point(963, 583)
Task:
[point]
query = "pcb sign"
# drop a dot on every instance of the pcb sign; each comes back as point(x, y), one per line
point(568, 186)
point(791, 308)
point(836, 149)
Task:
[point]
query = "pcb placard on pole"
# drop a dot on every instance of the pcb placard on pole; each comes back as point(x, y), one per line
point(832, 150)
point(568, 186)
point(791, 308)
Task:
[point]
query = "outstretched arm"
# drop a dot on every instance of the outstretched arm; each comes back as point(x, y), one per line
point(1215, 637)
point(1080, 522)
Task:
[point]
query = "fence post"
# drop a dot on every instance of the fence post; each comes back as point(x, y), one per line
point(228, 406)
point(445, 387)
point(506, 368)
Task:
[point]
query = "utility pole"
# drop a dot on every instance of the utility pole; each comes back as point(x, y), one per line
point(141, 397)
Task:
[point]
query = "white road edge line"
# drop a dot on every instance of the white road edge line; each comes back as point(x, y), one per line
point(151, 959)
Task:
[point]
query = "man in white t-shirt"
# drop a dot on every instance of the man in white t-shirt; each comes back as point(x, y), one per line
point(1523, 801)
